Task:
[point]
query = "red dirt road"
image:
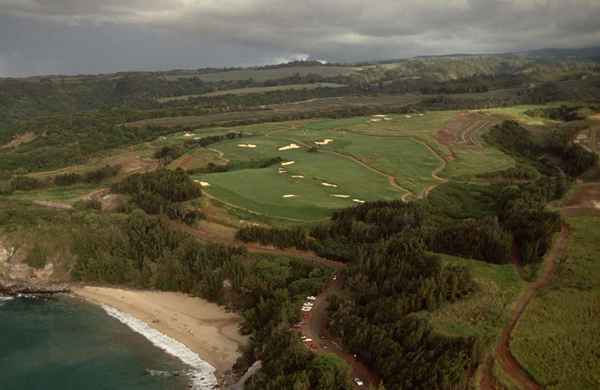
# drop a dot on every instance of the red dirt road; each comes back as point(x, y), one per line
point(509, 364)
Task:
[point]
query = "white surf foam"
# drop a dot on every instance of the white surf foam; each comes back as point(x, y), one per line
point(202, 373)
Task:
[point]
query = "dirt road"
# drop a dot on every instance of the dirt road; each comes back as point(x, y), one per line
point(509, 364)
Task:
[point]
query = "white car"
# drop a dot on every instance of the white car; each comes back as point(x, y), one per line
point(306, 308)
point(358, 382)
point(308, 304)
point(311, 298)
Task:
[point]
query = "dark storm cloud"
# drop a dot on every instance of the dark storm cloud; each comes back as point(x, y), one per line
point(91, 35)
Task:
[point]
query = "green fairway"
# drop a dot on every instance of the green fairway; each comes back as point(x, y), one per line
point(264, 190)
point(365, 159)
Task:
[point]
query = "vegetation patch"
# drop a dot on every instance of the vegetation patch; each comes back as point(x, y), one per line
point(558, 338)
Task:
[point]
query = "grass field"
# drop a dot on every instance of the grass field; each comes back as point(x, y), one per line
point(365, 159)
point(517, 113)
point(558, 338)
point(263, 190)
point(486, 311)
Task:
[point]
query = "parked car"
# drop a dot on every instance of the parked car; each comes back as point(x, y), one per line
point(358, 382)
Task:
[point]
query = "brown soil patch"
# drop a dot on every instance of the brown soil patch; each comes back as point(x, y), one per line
point(585, 196)
point(463, 129)
point(19, 139)
point(445, 137)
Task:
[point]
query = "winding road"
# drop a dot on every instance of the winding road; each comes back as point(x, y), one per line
point(509, 364)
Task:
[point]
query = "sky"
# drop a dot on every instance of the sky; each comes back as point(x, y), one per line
point(103, 36)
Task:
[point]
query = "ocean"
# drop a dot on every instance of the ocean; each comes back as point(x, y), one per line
point(62, 344)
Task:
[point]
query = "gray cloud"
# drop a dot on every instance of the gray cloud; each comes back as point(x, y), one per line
point(147, 34)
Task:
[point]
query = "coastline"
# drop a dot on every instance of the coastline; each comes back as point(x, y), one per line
point(201, 334)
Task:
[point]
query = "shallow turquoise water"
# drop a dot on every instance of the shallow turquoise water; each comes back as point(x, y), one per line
point(64, 344)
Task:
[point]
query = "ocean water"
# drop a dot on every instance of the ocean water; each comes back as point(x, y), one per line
point(64, 344)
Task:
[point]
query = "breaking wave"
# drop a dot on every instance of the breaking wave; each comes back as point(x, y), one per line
point(202, 374)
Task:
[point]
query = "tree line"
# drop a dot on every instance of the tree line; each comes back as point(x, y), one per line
point(162, 192)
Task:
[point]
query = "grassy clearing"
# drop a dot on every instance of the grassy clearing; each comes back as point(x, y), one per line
point(473, 161)
point(517, 113)
point(485, 312)
point(68, 195)
point(558, 338)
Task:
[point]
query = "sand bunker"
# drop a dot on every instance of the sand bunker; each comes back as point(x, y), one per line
point(285, 164)
point(341, 196)
point(358, 201)
point(596, 204)
point(287, 196)
point(297, 177)
point(203, 183)
point(188, 135)
point(408, 116)
point(324, 184)
point(250, 146)
point(379, 118)
point(289, 147)
point(324, 142)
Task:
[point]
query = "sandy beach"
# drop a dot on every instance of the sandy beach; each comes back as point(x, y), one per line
point(204, 327)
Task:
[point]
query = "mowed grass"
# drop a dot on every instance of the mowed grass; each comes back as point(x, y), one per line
point(485, 312)
point(262, 190)
point(558, 337)
point(361, 159)
point(404, 158)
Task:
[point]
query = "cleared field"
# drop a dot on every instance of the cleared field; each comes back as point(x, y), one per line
point(197, 158)
point(486, 311)
point(266, 74)
point(558, 337)
point(66, 195)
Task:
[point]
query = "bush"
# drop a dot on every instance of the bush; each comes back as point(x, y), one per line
point(37, 258)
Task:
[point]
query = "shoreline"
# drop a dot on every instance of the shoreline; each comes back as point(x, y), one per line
point(201, 334)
